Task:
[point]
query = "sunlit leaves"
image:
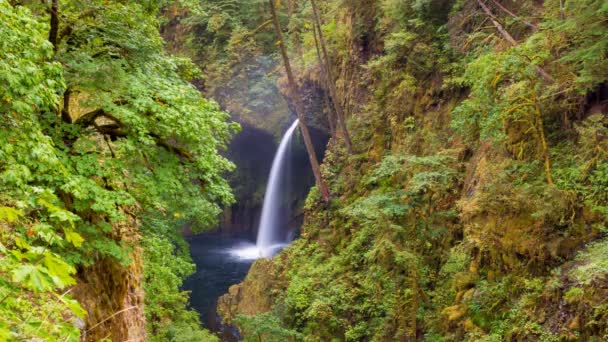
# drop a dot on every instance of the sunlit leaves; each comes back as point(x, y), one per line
point(73, 305)
point(32, 277)
point(73, 237)
point(46, 273)
point(9, 214)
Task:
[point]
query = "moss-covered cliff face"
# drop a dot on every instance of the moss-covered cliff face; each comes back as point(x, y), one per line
point(474, 207)
point(112, 293)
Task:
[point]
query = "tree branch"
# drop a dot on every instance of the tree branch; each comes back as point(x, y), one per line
point(110, 317)
point(330, 120)
point(507, 36)
point(330, 81)
point(170, 147)
point(116, 129)
point(293, 91)
point(506, 10)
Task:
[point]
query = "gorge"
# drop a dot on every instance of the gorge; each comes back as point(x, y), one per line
point(223, 257)
point(446, 178)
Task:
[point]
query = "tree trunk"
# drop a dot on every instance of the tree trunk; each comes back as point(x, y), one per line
point(507, 36)
point(54, 23)
point(65, 111)
point(330, 81)
point(299, 108)
point(330, 109)
point(506, 10)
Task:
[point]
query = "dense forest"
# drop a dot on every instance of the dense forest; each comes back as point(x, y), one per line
point(462, 195)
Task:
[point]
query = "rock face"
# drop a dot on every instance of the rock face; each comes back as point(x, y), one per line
point(252, 296)
point(113, 295)
point(252, 151)
point(432, 235)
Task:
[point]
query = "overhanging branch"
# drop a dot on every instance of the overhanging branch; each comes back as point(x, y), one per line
point(116, 129)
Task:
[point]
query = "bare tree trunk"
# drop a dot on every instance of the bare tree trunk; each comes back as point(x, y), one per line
point(330, 109)
point(506, 10)
point(507, 36)
point(54, 23)
point(65, 111)
point(330, 81)
point(299, 108)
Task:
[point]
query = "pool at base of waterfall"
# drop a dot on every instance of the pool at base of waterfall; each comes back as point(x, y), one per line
point(221, 260)
point(216, 270)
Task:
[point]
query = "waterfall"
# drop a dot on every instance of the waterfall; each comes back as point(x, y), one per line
point(269, 230)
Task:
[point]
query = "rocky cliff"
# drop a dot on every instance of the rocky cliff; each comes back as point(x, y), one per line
point(474, 207)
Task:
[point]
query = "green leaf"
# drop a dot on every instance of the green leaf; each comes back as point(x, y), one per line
point(73, 237)
point(59, 270)
point(73, 305)
point(9, 214)
point(5, 333)
point(33, 277)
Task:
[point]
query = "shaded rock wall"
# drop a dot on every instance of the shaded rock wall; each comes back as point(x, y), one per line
point(113, 295)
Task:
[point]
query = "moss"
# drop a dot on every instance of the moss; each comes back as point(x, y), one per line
point(463, 217)
point(108, 288)
point(591, 263)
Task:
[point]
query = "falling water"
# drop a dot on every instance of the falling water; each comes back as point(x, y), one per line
point(269, 229)
point(270, 235)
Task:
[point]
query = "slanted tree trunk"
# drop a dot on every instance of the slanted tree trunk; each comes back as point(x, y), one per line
point(509, 12)
point(330, 109)
point(330, 81)
point(299, 108)
point(65, 111)
point(508, 37)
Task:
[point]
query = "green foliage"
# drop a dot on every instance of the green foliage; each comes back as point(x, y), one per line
point(506, 87)
point(131, 136)
point(593, 263)
point(585, 174)
point(503, 91)
point(103, 132)
point(579, 32)
point(234, 43)
point(380, 259)
point(265, 327)
point(167, 315)
point(413, 30)
point(484, 169)
point(34, 226)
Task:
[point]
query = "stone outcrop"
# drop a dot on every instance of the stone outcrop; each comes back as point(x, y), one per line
point(113, 294)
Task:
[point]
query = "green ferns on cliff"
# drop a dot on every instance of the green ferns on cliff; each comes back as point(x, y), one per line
point(476, 208)
point(101, 134)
